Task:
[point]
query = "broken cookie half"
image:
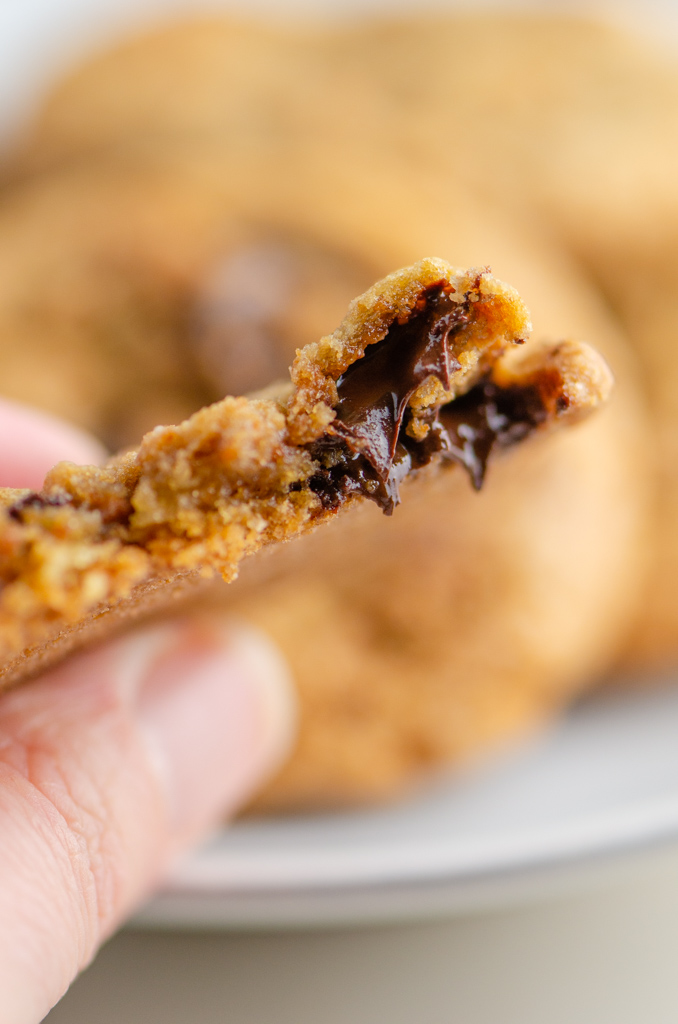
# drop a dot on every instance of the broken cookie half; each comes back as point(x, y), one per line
point(425, 370)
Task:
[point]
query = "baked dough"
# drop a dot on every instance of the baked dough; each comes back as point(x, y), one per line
point(414, 375)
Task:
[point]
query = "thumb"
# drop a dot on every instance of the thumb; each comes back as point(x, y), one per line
point(110, 765)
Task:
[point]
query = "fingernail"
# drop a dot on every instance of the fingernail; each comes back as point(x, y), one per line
point(217, 711)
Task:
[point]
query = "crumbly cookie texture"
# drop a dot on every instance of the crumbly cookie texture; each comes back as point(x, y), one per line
point(420, 371)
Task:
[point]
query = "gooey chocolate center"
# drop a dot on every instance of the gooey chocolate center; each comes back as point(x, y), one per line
point(367, 449)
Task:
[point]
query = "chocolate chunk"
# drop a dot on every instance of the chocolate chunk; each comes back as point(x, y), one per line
point(362, 452)
point(34, 500)
point(375, 390)
point(367, 449)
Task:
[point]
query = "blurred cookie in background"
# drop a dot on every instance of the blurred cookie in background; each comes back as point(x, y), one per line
point(241, 84)
point(574, 123)
point(145, 292)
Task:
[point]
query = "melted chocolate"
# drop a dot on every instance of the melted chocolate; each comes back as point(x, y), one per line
point(489, 417)
point(374, 391)
point(364, 450)
point(367, 449)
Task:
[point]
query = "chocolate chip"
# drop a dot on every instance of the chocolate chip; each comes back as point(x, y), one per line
point(367, 449)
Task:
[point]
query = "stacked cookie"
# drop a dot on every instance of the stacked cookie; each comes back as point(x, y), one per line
point(196, 204)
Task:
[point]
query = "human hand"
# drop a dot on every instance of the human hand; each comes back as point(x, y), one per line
point(115, 762)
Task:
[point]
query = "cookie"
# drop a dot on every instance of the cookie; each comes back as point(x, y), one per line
point(380, 708)
point(217, 245)
point(210, 69)
point(138, 291)
point(572, 122)
point(413, 377)
point(246, 85)
point(232, 247)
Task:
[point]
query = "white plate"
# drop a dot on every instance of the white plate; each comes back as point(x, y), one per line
point(603, 781)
